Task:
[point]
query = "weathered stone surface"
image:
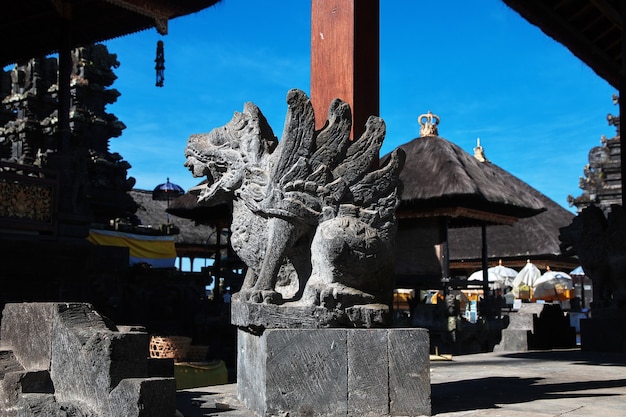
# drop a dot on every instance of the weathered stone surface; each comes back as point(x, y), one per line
point(16, 383)
point(368, 372)
point(251, 371)
point(144, 397)
point(9, 363)
point(335, 372)
point(523, 318)
point(295, 315)
point(33, 319)
point(515, 337)
point(92, 369)
point(37, 405)
point(304, 365)
point(513, 340)
point(409, 372)
point(101, 359)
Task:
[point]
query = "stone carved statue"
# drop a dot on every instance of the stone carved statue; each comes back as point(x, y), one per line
point(313, 218)
point(600, 243)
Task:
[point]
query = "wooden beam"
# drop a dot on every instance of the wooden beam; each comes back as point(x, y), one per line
point(345, 58)
point(455, 213)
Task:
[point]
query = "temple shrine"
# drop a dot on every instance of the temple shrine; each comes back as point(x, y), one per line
point(602, 180)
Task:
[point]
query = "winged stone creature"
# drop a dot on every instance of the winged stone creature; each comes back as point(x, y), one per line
point(312, 209)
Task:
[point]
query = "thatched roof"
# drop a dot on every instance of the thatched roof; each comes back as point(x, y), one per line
point(536, 237)
point(187, 207)
point(441, 179)
point(153, 212)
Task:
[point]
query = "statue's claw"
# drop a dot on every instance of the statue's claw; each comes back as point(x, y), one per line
point(272, 297)
point(262, 296)
point(340, 296)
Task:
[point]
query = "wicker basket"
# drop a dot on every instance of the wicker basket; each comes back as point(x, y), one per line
point(176, 347)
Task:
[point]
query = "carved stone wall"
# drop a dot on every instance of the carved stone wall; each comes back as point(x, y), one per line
point(93, 181)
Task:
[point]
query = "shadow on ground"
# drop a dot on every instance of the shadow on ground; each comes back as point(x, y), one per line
point(192, 404)
point(485, 393)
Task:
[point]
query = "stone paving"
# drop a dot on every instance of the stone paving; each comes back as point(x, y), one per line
point(568, 383)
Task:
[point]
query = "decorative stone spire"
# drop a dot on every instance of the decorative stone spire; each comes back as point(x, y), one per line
point(428, 124)
point(479, 152)
point(614, 120)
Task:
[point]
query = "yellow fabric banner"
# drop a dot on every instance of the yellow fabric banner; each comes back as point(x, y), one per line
point(158, 251)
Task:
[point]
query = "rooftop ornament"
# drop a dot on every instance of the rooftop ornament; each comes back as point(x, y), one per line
point(479, 152)
point(428, 124)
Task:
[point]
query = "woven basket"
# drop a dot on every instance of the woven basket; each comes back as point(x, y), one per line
point(175, 347)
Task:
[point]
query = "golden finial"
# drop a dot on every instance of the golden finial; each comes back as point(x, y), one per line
point(479, 152)
point(428, 124)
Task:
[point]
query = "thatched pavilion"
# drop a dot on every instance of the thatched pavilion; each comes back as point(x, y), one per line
point(452, 202)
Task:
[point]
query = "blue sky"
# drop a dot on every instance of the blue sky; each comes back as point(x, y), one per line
point(484, 70)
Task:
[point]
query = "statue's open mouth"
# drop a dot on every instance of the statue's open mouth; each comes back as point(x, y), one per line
point(215, 171)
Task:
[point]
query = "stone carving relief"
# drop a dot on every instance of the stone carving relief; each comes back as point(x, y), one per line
point(313, 216)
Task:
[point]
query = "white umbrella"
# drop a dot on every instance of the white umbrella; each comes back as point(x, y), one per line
point(526, 277)
point(553, 285)
point(495, 280)
point(507, 274)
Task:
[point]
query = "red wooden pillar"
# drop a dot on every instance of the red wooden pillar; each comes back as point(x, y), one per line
point(345, 58)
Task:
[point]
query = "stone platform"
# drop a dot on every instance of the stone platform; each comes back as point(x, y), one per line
point(334, 372)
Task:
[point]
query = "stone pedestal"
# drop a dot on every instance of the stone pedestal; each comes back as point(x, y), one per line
point(335, 372)
point(521, 324)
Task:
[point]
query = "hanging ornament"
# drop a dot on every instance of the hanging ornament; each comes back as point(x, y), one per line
point(160, 64)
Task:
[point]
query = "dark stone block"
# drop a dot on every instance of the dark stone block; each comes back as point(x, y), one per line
point(409, 372)
point(368, 370)
point(335, 372)
point(151, 397)
point(603, 334)
point(26, 329)
point(78, 365)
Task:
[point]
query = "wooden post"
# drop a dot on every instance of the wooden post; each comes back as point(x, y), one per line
point(345, 58)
